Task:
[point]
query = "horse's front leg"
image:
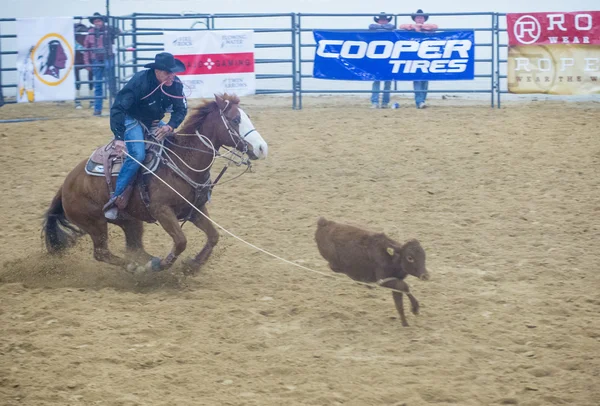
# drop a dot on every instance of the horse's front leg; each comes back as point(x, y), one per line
point(168, 220)
point(204, 224)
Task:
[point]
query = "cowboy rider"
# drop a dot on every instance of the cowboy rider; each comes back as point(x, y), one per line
point(143, 100)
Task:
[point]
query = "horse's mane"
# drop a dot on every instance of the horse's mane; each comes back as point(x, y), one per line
point(196, 117)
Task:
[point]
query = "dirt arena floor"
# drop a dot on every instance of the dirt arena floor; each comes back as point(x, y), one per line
point(505, 202)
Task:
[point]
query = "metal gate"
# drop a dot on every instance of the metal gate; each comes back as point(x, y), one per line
point(284, 50)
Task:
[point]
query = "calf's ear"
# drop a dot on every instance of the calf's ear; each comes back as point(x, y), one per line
point(390, 251)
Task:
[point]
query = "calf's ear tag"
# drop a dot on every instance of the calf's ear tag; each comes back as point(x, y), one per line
point(390, 251)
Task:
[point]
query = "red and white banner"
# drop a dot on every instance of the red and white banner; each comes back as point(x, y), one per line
point(580, 27)
point(554, 53)
point(215, 61)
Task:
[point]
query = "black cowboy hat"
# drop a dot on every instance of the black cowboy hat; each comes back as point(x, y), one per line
point(384, 16)
point(420, 13)
point(167, 62)
point(97, 16)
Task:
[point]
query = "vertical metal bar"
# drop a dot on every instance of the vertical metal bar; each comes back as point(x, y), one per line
point(124, 56)
point(294, 59)
point(498, 58)
point(299, 31)
point(120, 44)
point(395, 81)
point(1, 92)
point(134, 41)
point(109, 66)
point(493, 64)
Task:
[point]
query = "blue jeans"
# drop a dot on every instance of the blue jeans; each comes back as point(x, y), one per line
point(133, 132)
point(420, 87)
point(387, 85)
point(102, 72)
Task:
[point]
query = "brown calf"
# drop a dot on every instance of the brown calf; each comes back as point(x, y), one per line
point(372, 257)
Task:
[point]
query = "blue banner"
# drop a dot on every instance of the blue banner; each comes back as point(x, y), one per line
point(394, 55)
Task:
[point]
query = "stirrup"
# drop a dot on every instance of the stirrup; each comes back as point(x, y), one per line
point(111, 211)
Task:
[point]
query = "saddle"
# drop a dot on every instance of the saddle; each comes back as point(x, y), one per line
point(104, 160)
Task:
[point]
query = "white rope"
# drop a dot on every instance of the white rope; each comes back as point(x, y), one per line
point(256, 247)
point(214, 153)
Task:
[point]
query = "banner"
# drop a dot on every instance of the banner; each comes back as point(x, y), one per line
point(45, 59)
point(394, 55)
point(216, 61)
point(554, 53)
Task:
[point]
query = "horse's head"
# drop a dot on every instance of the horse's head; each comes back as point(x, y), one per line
point(226, 119)
point(224, 123)
point(257, 146)
point(239, 131)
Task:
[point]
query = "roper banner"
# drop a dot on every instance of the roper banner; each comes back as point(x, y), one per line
point(394, 55)
point(45, 59)
point(554, 53)
point(215, 61)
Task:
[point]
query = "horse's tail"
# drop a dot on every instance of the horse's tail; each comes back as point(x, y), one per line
point(59, 234)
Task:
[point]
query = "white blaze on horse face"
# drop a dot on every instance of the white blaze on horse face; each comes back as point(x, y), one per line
point(252, 136)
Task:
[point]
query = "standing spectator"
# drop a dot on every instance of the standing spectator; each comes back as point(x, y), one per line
point(80, 36)
point(420, 86)
point(382, 23)
point(99, 41)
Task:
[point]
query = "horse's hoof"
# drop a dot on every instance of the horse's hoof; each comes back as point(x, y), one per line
point(135, 269)
point(154, 265)
point(190, 267)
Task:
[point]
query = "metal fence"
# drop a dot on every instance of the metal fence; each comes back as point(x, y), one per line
point(284, 50)
point(8, 56)
point(275, 43)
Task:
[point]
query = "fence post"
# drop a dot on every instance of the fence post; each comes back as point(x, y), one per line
point(134, 41)
point(493, 64)
point(498, 79)
point(1, 87)
point(298, 31)
point(294, 60)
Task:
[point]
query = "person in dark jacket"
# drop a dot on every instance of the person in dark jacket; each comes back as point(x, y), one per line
point(143, 100)
point(382, 23)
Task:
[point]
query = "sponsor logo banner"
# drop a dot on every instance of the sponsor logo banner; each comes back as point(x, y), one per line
point(216, 61)
point(45, 59)
point(556, 69)
point(581, 27)
point(554, 53)
point(394, 55)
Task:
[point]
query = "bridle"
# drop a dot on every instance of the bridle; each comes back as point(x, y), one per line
point(234, 156)
point(235, 136)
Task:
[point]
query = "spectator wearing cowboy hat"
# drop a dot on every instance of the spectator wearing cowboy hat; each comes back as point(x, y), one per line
point(99, 42)
point(420, 86)
point(382, 23)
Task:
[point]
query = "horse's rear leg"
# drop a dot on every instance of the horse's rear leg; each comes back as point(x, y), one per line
point(168, 220)
point(98, 230)
point(204, 224)
point(134, 231)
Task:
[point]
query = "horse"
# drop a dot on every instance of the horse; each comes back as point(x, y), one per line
point(76, 209)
